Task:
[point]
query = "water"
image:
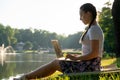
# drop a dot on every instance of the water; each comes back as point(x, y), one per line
point(19, 63)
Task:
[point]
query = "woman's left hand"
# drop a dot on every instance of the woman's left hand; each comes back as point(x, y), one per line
point(71, 57)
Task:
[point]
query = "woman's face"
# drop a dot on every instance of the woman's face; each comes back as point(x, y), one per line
point(85, 17)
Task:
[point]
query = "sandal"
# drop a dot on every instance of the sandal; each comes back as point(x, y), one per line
point(21, 77)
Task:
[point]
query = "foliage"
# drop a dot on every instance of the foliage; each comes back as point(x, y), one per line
point(36, 38)
point(7, 35)
point(72, 41)
point(106, 23)
point(28, 45)
point(109, 55)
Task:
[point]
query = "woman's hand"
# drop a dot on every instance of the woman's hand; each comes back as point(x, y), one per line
point(71, 57)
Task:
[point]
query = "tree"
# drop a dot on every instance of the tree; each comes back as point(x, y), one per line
point(106, 23)
point(116, 21)
point(10, 35)
point(3, 38)
point(7, 35)
point(72, 41)
point(28, 45)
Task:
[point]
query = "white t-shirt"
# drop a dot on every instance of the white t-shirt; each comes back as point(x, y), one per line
point(94, 33)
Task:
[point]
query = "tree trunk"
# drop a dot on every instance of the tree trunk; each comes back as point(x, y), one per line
point(116, 21)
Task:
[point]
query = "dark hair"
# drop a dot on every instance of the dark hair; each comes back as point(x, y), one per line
point(88, 7)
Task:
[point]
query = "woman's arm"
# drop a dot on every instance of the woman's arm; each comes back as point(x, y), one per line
point(94, 52)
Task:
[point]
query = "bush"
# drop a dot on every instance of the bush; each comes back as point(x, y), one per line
point(109, 55)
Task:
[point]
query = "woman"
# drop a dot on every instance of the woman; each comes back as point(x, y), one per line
point(92, 48)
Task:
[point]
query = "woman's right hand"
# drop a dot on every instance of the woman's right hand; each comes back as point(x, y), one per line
point(71, 57)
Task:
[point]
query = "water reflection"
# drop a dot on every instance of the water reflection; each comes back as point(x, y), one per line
point(22, 63)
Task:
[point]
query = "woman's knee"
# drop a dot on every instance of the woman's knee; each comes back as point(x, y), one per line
point(56, 64)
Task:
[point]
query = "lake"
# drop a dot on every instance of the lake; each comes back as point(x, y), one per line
point(20, 63)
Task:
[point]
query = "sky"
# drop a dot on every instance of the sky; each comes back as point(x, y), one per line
point(60, 16)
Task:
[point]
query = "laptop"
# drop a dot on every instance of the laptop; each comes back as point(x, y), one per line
point(57, 48)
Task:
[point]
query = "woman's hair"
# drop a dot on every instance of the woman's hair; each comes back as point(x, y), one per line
point(88, 7)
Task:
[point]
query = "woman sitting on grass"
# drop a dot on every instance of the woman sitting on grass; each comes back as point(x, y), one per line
point(92, 48)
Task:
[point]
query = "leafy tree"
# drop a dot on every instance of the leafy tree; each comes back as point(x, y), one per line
point(106, 23)
point(36, 39)
point(72, 41)
point(7, 35)
point(10, 35)
point(28, 45)
point(3, 38)
point(18, 35)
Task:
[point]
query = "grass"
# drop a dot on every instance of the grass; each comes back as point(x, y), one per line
point(104, 62)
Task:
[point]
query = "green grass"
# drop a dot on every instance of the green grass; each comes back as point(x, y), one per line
point(109, 61)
